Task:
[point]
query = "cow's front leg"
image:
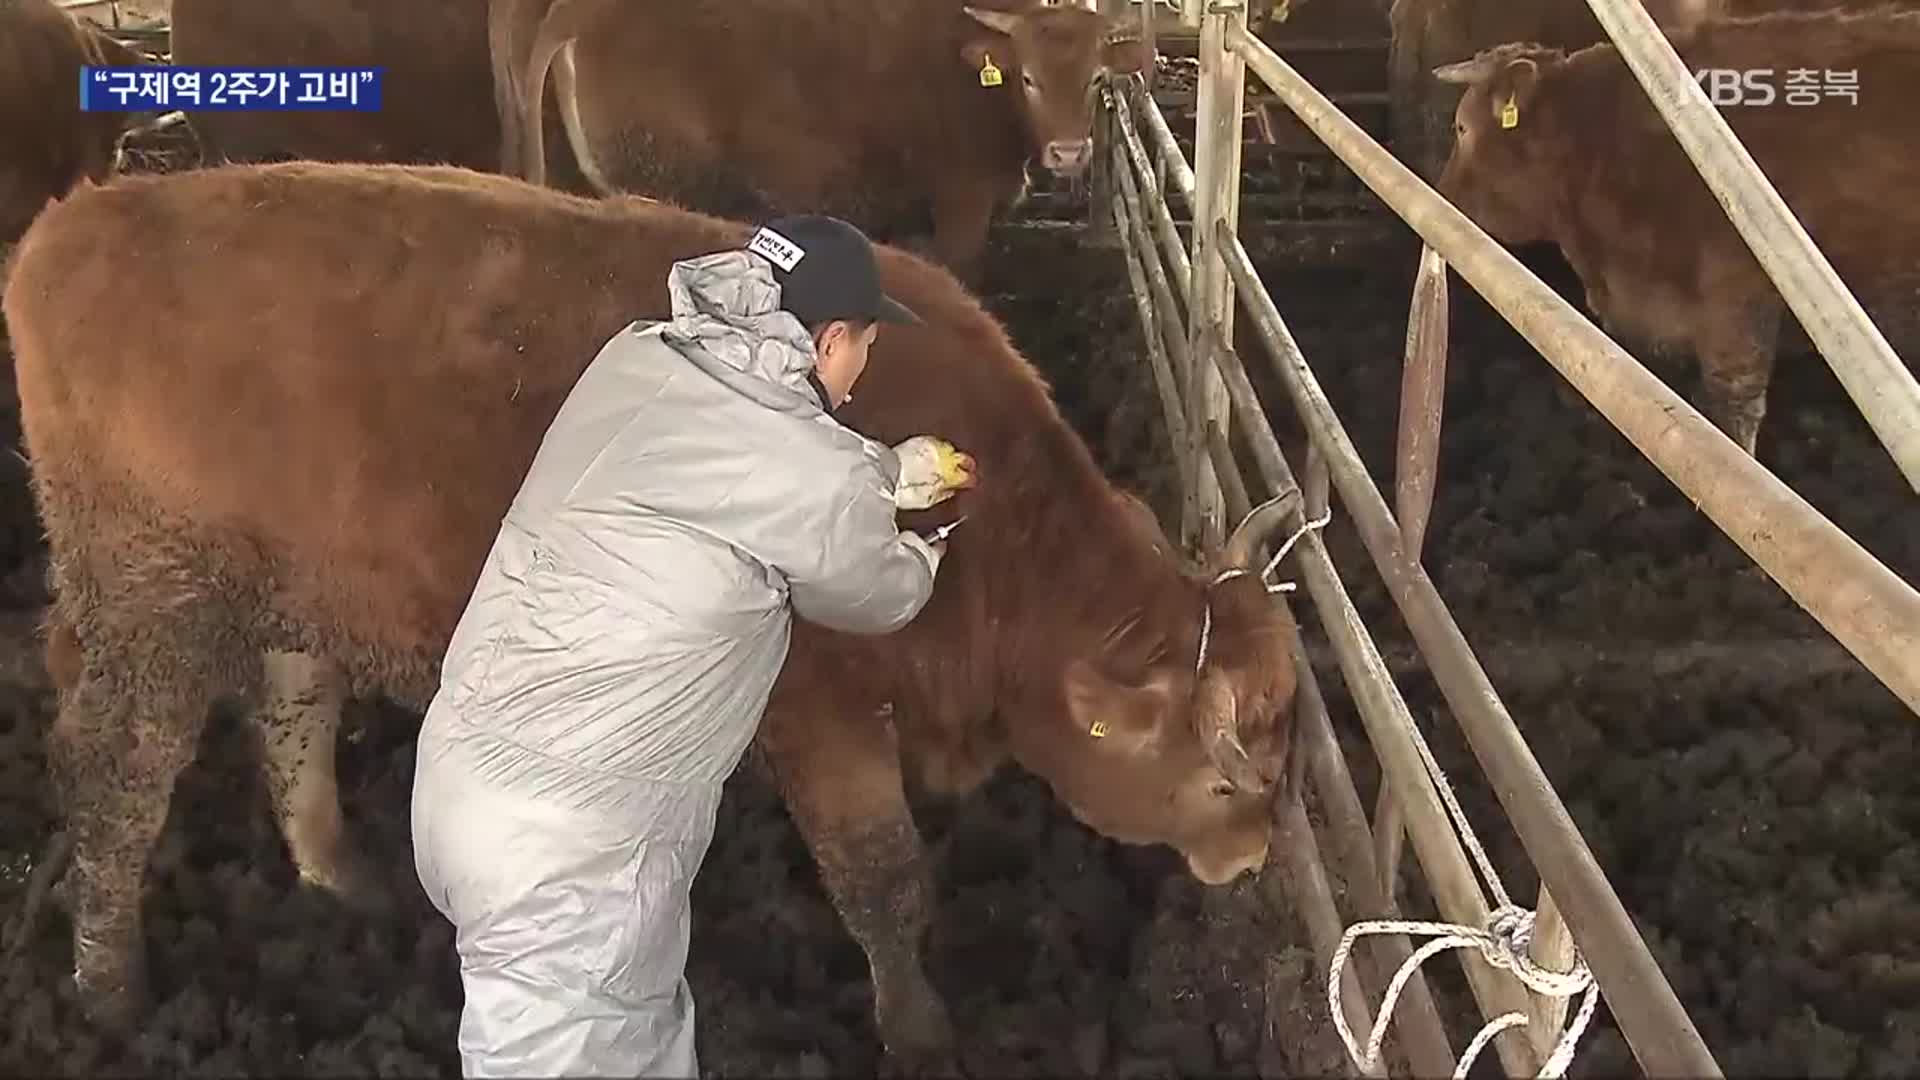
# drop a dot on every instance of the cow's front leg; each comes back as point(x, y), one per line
point(841, 782)
point(962, 213)
point(1736, 367)
point(299, 718)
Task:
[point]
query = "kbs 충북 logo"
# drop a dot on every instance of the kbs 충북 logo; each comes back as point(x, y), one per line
point(1765, 86)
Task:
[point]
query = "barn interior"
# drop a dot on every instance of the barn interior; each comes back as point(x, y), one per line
point(1746, 785)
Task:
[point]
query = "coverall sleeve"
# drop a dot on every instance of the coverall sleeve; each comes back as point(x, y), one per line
point(867, 576)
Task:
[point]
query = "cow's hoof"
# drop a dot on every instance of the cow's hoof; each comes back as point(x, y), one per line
point(927, 1065)
point(919, 1038)
point(111, 1005)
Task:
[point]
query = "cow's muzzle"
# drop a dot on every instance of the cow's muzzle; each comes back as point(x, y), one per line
point(1224, 871)
point(1067, 158)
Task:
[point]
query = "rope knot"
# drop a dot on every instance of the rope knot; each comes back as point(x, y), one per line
point(1505, 940)
point(1509, 939)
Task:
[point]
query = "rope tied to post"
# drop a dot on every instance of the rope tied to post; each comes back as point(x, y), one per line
point(1506, 942)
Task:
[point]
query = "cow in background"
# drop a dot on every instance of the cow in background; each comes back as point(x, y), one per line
point(1433, 33)
point(1568, 150)
point(436, 96)
point(1429, 34)
point(47, 145)
point(270, 477)
point(878, 111)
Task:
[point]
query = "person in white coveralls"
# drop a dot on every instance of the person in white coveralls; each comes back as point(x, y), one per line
point(613, 662)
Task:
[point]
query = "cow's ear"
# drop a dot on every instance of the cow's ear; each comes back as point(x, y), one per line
point(1511, 91)
point(991, 50)
point(1125, 715)
point(1126, 55)
point(979, 49)
point(1000, 22)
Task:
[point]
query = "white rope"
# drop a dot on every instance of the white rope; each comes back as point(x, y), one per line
point(1289, 586)
point(1506, 942)
point(1206, 621)
point(1206, 612)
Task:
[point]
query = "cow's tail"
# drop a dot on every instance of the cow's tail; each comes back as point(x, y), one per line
point(557, 30)
point(502, 39)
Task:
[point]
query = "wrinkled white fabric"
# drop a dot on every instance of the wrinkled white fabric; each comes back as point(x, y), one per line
point(614, 660)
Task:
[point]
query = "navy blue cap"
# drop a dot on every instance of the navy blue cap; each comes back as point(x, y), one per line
point(826, 271)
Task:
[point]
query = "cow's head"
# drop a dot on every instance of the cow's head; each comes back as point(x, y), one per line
point(1177, 732)
point(1504, 171)
point(1049, 55)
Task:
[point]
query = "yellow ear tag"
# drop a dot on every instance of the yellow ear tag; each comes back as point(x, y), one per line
point(1098, 729)
point(989, 75)
point(1510, 113)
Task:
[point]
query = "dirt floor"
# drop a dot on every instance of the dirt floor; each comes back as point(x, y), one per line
point(1754, 804)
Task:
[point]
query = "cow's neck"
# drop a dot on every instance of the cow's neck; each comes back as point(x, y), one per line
point(1088, 581)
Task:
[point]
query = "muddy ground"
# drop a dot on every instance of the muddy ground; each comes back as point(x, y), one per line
point(1755, 806)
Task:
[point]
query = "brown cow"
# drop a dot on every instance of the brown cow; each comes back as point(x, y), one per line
point(46, 143)
point(1428, 34)
point(876, 110)
point(1433, 33)
point(1589, 165)
point(289, 461)
point(435, 93)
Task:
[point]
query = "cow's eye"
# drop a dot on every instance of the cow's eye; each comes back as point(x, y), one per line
point(1028, 80)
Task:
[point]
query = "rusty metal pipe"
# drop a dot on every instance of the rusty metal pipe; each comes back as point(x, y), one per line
point(1220, 99)
point(1157, 361)
point(1233, 485)
point(1389, 830)
point(1416, 1023)
point(1423, 383)
point(1169, 147)
point(1175, 250)
point(1313, 895)
point(1175, 333)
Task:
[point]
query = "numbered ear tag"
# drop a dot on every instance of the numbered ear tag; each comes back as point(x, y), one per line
point(1510, 113)
point(1098, 729)
point(989, 75)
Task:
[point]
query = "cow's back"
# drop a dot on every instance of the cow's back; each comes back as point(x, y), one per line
point(748, 107)
point(1433, 33)
point(437, 93)
point(46, 143)
point(266, 293)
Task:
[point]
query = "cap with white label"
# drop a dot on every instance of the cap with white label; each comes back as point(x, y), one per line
point(826, 271)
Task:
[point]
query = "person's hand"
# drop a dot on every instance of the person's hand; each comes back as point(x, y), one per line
point(932, 470)
point(933, 552)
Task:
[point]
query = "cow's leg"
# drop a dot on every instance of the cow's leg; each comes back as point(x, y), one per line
point(843, 787)
point(962, 213)
point(150, 669)
point(1736, 367)
point(298, 718)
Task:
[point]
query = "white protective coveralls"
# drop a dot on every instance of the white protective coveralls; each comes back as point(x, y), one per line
point(614, 661)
